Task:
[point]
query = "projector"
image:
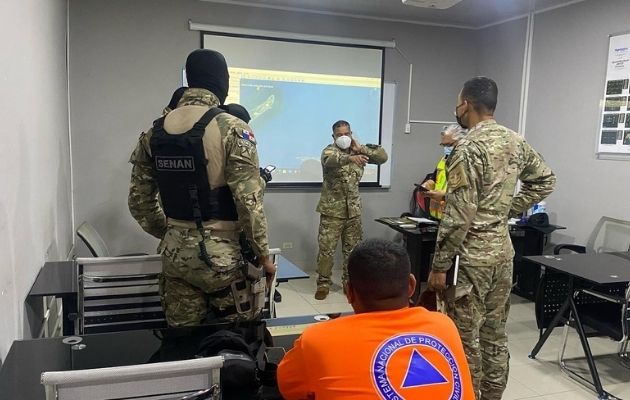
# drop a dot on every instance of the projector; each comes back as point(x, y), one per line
point(438, 4)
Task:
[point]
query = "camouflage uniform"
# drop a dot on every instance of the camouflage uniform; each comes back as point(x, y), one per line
point(340, 206)
point(190, 290)
point(482, 175)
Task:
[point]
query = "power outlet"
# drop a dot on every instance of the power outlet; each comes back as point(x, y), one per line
point(287, 245)
point(407, 128)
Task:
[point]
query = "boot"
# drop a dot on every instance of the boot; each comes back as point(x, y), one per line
point(321, 293)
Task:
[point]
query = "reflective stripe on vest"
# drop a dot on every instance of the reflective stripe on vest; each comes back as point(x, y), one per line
point(436, 208)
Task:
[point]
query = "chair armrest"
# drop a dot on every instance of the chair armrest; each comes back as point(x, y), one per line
point(573, 247)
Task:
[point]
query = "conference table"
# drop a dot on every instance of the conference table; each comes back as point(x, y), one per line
point(27, 359)
point(594, 271)
point(59, 279)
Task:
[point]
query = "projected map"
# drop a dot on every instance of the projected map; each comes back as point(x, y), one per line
point(292, 115)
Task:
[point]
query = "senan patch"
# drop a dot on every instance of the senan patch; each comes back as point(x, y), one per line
point(415, 366)
point(175, 163)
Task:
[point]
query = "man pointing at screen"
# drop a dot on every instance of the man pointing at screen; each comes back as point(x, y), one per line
point(340, 203)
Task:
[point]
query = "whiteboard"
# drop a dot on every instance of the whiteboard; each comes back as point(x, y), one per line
point(387, 130)
point(614, 124)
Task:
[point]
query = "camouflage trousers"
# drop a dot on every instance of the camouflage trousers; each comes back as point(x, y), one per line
point(190, 290)
point(331, 229)
point(480, 309)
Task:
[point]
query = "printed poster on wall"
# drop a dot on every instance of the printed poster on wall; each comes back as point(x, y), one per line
point(614, 133)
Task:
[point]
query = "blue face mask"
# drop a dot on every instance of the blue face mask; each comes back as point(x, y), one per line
point(448, 150)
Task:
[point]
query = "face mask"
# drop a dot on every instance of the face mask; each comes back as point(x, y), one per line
point(460, 122)
point(459, 119)
point(343, 142)
point(448, 150)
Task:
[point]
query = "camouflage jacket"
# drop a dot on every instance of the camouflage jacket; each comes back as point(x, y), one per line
point(340, 188)
point(237, 167)
point(482, 174)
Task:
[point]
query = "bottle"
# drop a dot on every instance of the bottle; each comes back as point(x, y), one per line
point(540, 208)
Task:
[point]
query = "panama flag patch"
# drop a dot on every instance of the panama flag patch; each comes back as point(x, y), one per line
point(248, 135)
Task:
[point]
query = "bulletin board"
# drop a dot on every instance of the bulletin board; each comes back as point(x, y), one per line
point(614, 127)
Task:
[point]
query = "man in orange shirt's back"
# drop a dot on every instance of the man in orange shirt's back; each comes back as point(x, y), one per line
point(387, 350)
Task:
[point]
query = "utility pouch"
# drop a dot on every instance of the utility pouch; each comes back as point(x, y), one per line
point(241, 292)
point(258, 295)
point(252, 272)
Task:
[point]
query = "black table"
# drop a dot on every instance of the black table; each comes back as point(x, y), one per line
point(420, 244)
point(59, 279)
point(596, 268)
point(27, 359)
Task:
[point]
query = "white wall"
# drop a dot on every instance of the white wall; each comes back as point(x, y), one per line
point(35, 216)
point(567, 81)
point(127, 57)
point(500, 56)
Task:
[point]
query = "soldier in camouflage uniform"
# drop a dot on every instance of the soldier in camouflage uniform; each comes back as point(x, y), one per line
point(340, 203)
point(191, 291)
point(482, 174)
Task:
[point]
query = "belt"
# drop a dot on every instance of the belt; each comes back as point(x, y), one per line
point(228, 289)
point(230, 234)
point(230, 310)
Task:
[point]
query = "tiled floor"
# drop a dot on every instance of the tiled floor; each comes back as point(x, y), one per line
point(539, 379)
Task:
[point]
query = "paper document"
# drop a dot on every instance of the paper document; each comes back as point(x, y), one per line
point(423, 220)
point(451, 275)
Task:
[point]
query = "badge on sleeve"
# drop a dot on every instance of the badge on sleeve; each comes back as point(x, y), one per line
point(457, 176)
point(248, 135)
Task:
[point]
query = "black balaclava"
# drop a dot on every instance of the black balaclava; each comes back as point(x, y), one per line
point(207, 69)
point(238, 111)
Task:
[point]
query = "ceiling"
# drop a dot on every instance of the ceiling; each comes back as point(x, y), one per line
point(467, 13)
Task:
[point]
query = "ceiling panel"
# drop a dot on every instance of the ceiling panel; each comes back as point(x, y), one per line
point(469, 13)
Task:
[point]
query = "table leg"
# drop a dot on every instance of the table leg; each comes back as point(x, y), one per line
point(569, 304)
point(69, 312)
point(587, 352)
point(559, 316)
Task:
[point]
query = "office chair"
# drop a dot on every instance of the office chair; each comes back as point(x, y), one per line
point(602, 308)
point(118, 293)
point(166, 380)
point(92, 240)
point(95, 242)
point(609, 235)
point(269, 311)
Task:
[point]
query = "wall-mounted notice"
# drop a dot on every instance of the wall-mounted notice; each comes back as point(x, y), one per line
point(614, 128)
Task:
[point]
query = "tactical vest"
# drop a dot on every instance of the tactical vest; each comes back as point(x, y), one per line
point(436, 208)
point(180, 166)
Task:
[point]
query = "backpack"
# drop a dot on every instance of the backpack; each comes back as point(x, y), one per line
point(245, 374)
point(419, 203)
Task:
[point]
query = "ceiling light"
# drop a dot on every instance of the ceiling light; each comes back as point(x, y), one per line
point(438, 4)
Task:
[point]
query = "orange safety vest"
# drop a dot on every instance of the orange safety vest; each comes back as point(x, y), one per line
point(409, 353)
point(436, 208)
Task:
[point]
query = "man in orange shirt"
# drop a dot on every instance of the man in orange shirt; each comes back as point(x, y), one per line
point(387, 350)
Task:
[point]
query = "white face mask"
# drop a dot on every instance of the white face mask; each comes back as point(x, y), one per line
point(343, 142)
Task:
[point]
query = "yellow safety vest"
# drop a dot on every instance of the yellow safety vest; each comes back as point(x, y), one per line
point(436, 208)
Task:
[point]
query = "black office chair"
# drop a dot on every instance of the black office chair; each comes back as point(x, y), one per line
point(603, 309)
point(609, 235)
